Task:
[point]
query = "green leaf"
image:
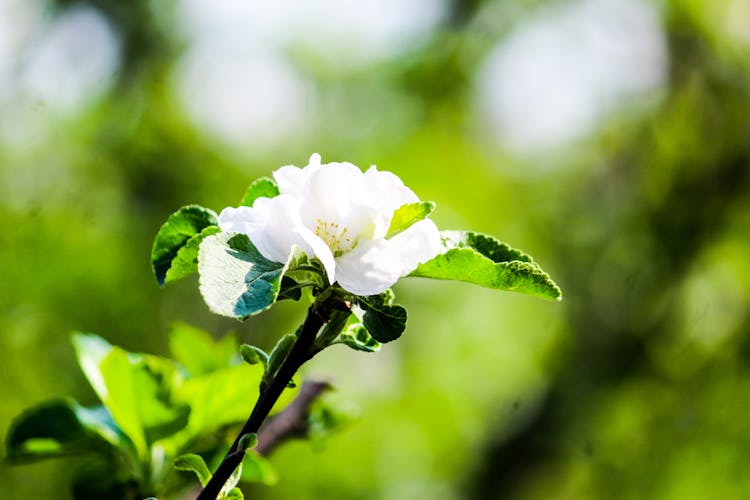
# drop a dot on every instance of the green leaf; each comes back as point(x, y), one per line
point(191, 462)
point(234, 494)
point(198, 352)
point(254, 355)
point(90, 351)
point(249, 440)
point(138, 395)
point(358, 338)
point(383, 320)
point(257, 469)
point(180, 228)
point(279, 354)
point(483, 260)
point(61, 427)
point(235, 279)
point(407, 215)
point(185, 262)
point(264, 187)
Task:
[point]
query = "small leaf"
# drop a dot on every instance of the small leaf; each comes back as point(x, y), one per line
point(264, 187)
point(249, 440)
point(483, 260)
point(279, 354)
point(257, 469)
point(253, 355)
point(180, 227)
point(191, 462)
point(358, 338)
point(384, 321)
point(234, 494)
point(407, 215)
point(235, 279)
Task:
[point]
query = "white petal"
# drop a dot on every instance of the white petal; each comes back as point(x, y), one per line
point(270, 224)
point(418, 244)
point(293, 180)
point(320, 250)
point(369, 269)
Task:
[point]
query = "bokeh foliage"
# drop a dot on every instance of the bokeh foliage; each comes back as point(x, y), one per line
point(633, 387)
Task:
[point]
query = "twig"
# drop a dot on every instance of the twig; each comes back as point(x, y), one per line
point(292, 421)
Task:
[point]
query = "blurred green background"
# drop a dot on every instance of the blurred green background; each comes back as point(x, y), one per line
point(608, 138)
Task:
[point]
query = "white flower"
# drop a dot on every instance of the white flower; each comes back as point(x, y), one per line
point(340, 215)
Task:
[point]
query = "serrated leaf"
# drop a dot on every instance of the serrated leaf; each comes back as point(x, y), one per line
point(235, 279)
point(384, 321)
point(485, 244)
point(358, 338)
point(264, 187)
point(485, 261)
point(191, 462)
point(234, 494)
point(61, 427)
point(180, 228)
point(407, 215)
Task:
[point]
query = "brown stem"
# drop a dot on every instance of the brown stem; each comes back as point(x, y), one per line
point(292, 421)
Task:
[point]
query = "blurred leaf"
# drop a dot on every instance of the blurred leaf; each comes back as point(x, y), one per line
point(194, 463)
point(91, 350)
point(257, 469)
point(58, 428)
point(138, 390)
point(327, 417)
point(358, 338)
point(181, 227)
point(483, 260)
point(197, 350)
point(262, 187)
point(407, 215)
point(235, 279)
point(218, 399)
point(99, 479)
point(383, 320)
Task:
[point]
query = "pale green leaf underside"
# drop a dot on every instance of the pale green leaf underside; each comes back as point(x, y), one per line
point(235, 279)
point(407, 215)
point(265, 187)
point(185, 261)
point(483, 260)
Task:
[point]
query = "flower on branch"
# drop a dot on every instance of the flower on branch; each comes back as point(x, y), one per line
point(343, 217)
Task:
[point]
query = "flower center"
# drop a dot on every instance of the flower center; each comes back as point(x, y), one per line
point(336, 237)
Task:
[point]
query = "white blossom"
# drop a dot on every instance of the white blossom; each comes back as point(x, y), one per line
point(340, 215)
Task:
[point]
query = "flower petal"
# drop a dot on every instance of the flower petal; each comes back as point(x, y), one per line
point(320, 250)
point(270, 224)
point(369, 269)
point(418, 244)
